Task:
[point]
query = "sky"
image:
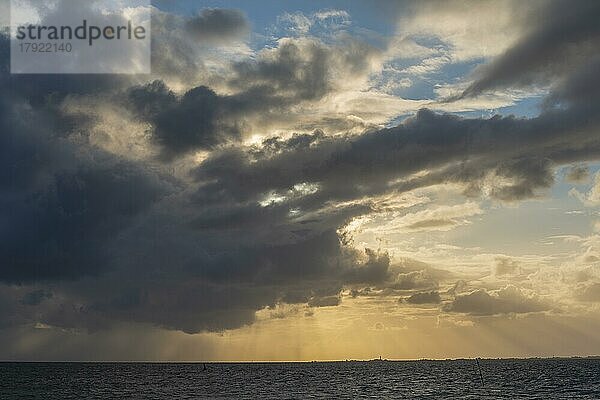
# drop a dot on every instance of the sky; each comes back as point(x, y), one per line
point(301, 180)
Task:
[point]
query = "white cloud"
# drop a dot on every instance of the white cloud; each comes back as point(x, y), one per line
point(325, 14)
point(428, 65)
point(470, 30)
point(296, 23)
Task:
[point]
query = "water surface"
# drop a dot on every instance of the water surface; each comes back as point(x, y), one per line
point(457, 379)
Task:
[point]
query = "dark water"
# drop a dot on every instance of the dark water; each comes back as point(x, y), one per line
point(503, 379)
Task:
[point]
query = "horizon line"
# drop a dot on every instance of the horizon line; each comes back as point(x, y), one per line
point(293, 361)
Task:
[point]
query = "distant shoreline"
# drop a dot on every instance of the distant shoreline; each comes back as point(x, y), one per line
point(591, 357)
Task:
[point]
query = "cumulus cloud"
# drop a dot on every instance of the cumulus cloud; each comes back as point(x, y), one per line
point(508, 300)
point(413, 280)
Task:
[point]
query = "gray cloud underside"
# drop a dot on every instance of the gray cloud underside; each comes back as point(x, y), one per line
point(563, 36)
point(93, 239)
point(504, 301)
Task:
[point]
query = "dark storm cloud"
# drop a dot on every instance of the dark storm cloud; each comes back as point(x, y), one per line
point(521, 153)
point(185, 279)
point(196, 120)
point(579, 87)
point(504, 301)
point(297, 71)
point(563, 36)
point(232, 256)
point(75, 212)
point(313, 258)
point(60, 202)
point(57, 232)
point(218, 25)
point(36, 297)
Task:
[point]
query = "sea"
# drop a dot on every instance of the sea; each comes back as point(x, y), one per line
point(574, 378)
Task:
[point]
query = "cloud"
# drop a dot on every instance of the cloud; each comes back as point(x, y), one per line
point(196, 120)
point(441, 218)
point(36, 297)
point(562, 38)
point(592, 197)
point(434, 35)
point(508, 300)
point(201, 244)
point(329, 301)
point(193, 51)
point(331, 13)
point(432, 297)
point(479, 153)
point(226, 255)
point(62, 203)
point(303, 69)
point(322, 22)
point(295, 23)
point(218, 25)
point(174, 55)
point(375, 270)
point(413, 280)
point(577, 174)
point(297, 72)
